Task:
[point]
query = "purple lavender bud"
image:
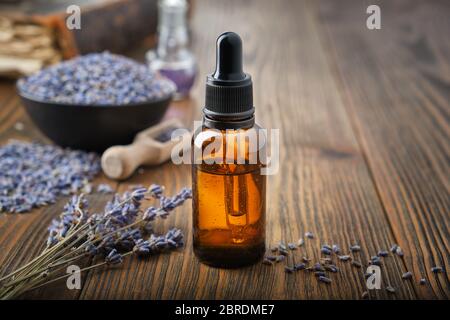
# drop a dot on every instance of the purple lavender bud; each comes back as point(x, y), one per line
point(324, 279)
point(139, 194)
point(375, 261)
point(436, 269)
point(383, 253)
point(331, 268)
point(318, 267)
point(186, 193)
point(300, 266)
point(51, 241)
point(150, 214)
point(394, 248)
point(399, 251)
point(288, 269)
point(142, 247)
point(407, 275)
point(113, 257)
point(344, 257)
point(91, 250)
point(156, 191)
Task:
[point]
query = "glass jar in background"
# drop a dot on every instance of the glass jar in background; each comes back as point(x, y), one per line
point(172, 57)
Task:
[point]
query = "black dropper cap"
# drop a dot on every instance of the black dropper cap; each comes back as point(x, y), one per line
point(229, 95)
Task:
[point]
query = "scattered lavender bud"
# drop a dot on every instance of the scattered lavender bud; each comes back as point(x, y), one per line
point(309, 235)
point(300, 242)
point(288, 269)
point(326, 246)
point(336, 249)
point(390, 289)
point(355, 248)
point(292, 246)
point(318, 267)
point(436, 269)
point(331, 268)
point(325, 251)
point(365, 295)
point(375, 260)
point(283, 252)
point(320, 274)
point(324, 279)
point(102, 79)
point(356, 264)
point(399, 251)
point(104, 188)
point(407, 275)
point(282, 246)
point(383, 253)
point(280, 258)
point(300, 266)
point(344, 257)
point(422, 281)
point(394, 248)
point(33, 175)
point(271, 258)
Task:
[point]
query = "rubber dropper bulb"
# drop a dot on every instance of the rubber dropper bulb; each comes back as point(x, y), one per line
point(229, 57)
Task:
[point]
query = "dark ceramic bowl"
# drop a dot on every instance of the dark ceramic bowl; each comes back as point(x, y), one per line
point(93, 128)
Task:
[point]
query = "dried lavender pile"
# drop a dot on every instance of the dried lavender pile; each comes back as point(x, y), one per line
point(326, 266)
point(34, 175)
point(124, 228)
point(97, 79)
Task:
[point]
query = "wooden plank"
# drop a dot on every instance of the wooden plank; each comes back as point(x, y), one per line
point(323, 185)
point(396, 87)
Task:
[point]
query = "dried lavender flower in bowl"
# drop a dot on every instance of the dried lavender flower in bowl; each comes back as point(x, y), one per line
point(95, 101)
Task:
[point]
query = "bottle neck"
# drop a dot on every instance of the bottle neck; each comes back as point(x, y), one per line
point(245, 120)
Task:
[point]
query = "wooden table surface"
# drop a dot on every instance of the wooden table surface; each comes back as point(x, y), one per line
point(364, 137)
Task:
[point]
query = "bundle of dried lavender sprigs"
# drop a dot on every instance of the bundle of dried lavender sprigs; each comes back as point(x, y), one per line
point(123, 229)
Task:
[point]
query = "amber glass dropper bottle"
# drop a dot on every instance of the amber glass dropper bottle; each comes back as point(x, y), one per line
point(229, 193)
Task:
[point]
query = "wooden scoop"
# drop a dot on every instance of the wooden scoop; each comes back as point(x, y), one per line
point(152, 146)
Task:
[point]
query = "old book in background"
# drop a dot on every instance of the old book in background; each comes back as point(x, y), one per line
point(33, 33)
